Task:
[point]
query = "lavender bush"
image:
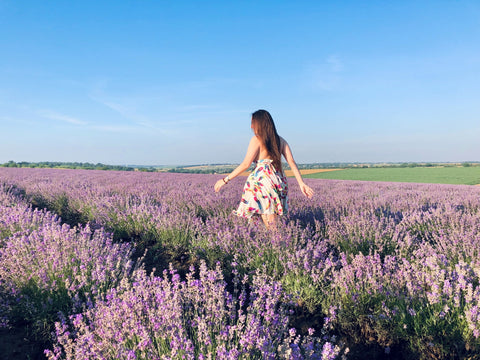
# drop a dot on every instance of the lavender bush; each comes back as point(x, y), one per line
point(164, 317)
point(47, 267)
point(395, 266)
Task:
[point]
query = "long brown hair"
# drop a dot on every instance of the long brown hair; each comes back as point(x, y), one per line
point(264, 128)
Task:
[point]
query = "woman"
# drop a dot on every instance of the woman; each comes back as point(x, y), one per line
point(265, 191)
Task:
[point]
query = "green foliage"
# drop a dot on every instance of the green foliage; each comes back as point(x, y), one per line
point(204, 169)
point(66, 165)
point(60, 205)
point(10, 164)
point(309, 292)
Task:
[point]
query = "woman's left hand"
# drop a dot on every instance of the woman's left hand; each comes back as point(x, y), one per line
point(219, 184)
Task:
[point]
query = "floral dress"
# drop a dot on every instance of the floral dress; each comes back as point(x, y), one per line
point(265, 191)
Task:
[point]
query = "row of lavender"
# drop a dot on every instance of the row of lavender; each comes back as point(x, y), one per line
point(103, 305)
point(395, 265)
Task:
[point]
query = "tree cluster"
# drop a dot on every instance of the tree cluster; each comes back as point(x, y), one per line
point(66, 165)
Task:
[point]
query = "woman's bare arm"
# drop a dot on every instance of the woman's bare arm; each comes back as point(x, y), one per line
point(287, 153)
point(252, 154)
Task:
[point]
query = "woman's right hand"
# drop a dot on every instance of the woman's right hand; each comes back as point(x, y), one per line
point(306, 190)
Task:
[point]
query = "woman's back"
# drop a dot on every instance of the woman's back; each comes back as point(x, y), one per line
point(263, 152)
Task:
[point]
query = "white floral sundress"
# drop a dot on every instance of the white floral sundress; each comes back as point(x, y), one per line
point(265, 191)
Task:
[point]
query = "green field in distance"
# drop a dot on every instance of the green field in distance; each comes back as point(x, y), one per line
point(434, 175)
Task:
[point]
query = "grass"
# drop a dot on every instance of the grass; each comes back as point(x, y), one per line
point(433, 175)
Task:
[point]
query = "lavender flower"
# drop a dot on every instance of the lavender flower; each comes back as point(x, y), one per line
point(389, 258)
point(165, 317)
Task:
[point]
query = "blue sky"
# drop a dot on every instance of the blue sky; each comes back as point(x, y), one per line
point(175, 82)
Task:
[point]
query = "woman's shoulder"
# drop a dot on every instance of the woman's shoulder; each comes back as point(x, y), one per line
point(255, 140)
point(255, 143)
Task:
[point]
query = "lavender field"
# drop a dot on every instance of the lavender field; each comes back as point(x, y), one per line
point(130, 265)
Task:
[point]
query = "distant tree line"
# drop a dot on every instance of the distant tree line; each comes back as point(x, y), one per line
point(219, 168)
point(381, 165)
point(206, 170)
point(68, 165)
point(225, 169)
point(464, 164)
